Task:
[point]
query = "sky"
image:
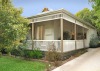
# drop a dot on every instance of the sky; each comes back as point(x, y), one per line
point(33, 7)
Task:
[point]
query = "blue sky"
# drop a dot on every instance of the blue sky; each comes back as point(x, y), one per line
point(33, 7)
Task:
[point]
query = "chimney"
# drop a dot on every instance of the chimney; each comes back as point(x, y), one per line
point(45, 9)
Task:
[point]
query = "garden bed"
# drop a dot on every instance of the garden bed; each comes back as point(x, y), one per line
point(67, 57)
point(19, 63)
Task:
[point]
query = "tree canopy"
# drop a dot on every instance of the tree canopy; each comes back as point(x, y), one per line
point(91, 16)
point(13, 27)
point(85, 14)
point(96, 12)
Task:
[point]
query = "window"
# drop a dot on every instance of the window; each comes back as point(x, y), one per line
point(40, 33)
point(85, 36)
point(79, 36)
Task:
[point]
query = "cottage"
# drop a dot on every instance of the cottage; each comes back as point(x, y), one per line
point(63, 29)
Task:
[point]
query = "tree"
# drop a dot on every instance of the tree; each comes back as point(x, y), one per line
point(96, 14)
point(4, 2)
point(95, 3)
point(13, 27)
point(85, 15)
point(91, 16)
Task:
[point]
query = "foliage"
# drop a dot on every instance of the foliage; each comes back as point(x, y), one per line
point(95, 2)
point(99, 44)
point(94, 42)
point(13, 27)
point(18, 64)
point(91, 16)
point(0, 54)
point(96, 14)
point(36, 53)
point(4, 2)
point(99, 41)
point(17, 52)
point(53, 56)
point(85, 15)
point(28, 54)
point(4, 50)
point(96, 11)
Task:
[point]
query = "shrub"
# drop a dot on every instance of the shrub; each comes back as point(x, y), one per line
point(99, 44)
point(0, 54)
point(28, 54)
point(4, 50)
point(16, 52)
point(53, 56)
point(19, 50)
point(36, 53)
point(94, 42)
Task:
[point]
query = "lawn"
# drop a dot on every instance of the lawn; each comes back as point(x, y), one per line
point(16, 64)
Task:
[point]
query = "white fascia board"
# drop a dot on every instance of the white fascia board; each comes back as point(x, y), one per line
point(61, 11)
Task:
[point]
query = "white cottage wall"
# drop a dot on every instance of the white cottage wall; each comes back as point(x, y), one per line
point(52, 30)
point(90, 33)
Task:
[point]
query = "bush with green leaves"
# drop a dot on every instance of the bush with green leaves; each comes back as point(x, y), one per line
point(99, 42)
point(0, 54)
point(94, 42)
point(19, 50)
point(36, 53)
point(52, 54)
point(16, 52)
point(13, 27)
point(28, 54)
point(4, 50)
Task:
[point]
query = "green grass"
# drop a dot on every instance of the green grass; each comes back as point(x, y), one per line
point(16, 64)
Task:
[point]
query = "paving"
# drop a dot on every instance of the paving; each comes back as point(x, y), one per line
point(90, 61)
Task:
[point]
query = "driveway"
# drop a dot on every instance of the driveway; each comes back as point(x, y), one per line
point(90, 61)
